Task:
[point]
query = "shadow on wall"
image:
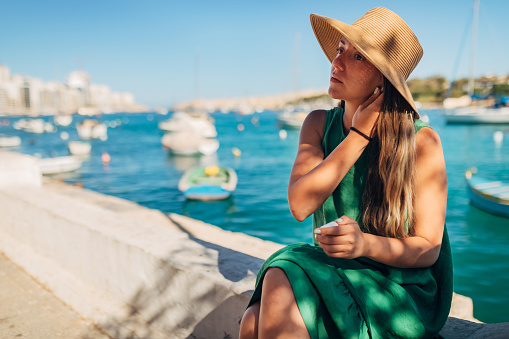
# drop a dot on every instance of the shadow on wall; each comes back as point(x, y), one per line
point(233, 265)
point(180, 303)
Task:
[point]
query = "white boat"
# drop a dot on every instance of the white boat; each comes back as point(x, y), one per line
point(79, 147)
point(20, 124)
point(58, 165)
point(291, 120)
point(463, 110)
point(201, 124)
point(89, 110)
point(62, 120)
point(9, 141)
point(92, 129)
point(208, 183)
point(36, 126)
point(477, 115)
point(187, 143)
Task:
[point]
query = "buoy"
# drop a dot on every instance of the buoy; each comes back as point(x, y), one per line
point(236, 152)
point(105, 158)
point(240, 127)
point(64, 135)
point(498, 137)
point(283, 134)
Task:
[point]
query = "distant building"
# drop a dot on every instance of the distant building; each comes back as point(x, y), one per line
point(21, 95)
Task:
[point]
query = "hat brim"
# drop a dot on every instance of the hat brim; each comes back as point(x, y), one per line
point(329, 32)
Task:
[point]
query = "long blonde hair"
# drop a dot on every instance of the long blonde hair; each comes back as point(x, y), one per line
point(389, 195)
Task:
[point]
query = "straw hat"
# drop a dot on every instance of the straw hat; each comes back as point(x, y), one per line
point(382, 37)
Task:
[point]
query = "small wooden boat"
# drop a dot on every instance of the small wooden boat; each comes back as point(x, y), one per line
point(58, 165)
point(489, 195)
point(208, 183)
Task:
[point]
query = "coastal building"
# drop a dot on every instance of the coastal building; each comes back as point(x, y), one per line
point(23, 95)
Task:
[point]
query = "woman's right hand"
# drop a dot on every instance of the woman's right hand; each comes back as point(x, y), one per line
point(366, 116)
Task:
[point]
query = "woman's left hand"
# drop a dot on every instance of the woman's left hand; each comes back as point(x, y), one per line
point(346, 240)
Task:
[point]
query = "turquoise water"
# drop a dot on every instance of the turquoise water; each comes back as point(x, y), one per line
point(142, 171)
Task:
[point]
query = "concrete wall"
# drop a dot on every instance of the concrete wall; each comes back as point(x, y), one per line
point(132, 270)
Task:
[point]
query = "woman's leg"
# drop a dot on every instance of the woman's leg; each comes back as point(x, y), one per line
point(279, 315)
point(249, 323)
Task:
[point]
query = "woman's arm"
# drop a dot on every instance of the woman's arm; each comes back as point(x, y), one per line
point(313, 179)
point(420, 250)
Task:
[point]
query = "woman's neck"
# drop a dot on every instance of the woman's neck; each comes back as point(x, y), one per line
point(348, 116)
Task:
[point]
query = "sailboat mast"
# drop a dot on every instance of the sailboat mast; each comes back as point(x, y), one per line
point(475, 21)
point(296, 53)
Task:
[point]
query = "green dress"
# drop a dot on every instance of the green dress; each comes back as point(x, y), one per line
point(361, 298)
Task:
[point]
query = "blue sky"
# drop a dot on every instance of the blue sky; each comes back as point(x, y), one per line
point(165, 52)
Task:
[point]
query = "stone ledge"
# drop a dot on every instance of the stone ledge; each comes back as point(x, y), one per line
point(135, 271)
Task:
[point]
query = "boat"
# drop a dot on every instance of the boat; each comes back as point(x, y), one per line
point(62, 120)
point(57, 165)
point(9, 141)
point(465, 110)
point(201, 124)
point(489, 195)
point(478, 115)
point(89, 110)
point(208, 183)
point(79, 147)
point(36, 126)
point(92, 129)
point(188, 143)
point(291, 120)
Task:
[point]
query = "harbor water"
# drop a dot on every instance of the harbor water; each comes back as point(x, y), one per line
point(142, 171)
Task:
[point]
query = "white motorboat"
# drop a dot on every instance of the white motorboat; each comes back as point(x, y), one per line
point(291, 120)
point(201, 124)
point(58, 165)
point(89, 110)
point(9, 141)
point(187, 143)
point(92, 129)
point(62, 120)
point(477, 115)
point(79, 147)
point(20, 124)
point(36, 126)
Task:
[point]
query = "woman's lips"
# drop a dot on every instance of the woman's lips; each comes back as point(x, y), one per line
point(332, 79)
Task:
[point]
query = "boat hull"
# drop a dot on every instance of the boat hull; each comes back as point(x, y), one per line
point(49, 166)
point(478, 116)
point(206, 193)
point(9, 141)
point(490, 196)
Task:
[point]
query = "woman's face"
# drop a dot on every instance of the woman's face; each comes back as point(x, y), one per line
point(353, 77)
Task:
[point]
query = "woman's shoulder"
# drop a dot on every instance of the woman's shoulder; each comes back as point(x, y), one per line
point(317, 119)
point(427, 140)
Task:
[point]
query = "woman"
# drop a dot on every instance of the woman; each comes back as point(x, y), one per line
point(374, 178)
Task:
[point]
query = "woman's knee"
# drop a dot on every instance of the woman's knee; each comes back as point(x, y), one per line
point(249, 322)
point(276, 284)
point(275, 277)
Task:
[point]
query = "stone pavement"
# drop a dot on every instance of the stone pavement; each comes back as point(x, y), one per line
point(29, 310)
